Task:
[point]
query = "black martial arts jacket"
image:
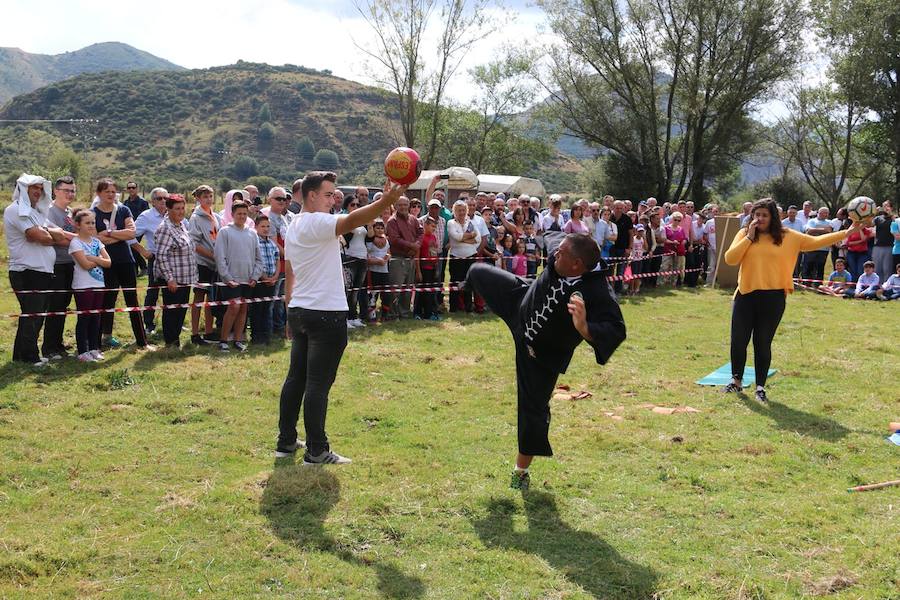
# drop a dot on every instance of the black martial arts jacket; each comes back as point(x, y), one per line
point(546, 328)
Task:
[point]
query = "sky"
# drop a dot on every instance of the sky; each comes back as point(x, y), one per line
point(206, 33)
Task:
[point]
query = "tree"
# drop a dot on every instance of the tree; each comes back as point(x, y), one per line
point(266, 136)
point(264, 115)
point(305, 149)
point(66, 162)
point(666, 87)
point(400, 29)
point(263, 183)
point(862, 38)
point(327, 160)
point(225, 185)
point(245, 166)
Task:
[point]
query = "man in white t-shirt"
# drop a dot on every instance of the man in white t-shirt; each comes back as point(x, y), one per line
point(317, 312)
point(30, 240)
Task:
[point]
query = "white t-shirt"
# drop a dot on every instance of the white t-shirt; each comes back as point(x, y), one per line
point(376, 252)
point(314, 252)
point(357, 247)
point(709, 228)
point(22, 253)
point(84, 278)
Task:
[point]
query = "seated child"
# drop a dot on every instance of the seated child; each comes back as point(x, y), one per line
point(840, 280)
point(867, 285)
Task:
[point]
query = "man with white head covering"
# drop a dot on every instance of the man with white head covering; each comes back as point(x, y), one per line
point(31, 258)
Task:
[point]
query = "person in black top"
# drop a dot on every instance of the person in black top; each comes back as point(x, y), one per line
point(136, 205)
point(549, 317)
point(622, 246)
point(884, 242)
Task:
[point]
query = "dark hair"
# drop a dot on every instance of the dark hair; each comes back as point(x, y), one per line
point(105, 183)
point(868, 263)
point(295, 188)
point(840, 260)
point(579, 207)
point(794, 206)
point(235, 206)
point(776, 230)
point(80, 214)
point(585, 249)
point(64, 180)
point(173, 200)
point(259, 218)
point(430, 221)
point(313, 181)
point(519, 211)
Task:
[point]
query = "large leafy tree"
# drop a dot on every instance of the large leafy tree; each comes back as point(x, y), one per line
point(667, 85)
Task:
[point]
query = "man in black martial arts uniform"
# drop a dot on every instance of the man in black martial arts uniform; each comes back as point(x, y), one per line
point(570, 301)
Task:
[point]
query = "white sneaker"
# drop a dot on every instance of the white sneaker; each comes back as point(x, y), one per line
point(43, 362)
point(86, 357)
point(326, 458)
point(351, 325)
point(96, 354)
point(358, 323)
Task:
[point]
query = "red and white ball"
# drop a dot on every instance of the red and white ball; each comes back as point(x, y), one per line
point(860, 208)
point(403, 165)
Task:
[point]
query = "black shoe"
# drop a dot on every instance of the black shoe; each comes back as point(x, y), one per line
point(200, 341)
point(732, 388)
point(326, 458)
point(211, 338)
point(761, 396)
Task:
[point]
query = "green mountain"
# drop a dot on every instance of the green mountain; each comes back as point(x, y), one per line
point(200, 125)
point(22, 72)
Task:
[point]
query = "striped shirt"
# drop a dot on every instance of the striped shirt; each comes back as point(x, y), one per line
point(175, 253)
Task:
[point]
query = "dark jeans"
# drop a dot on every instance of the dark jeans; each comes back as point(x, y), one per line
point(693, 260)
point(503, 292)
point(358, 296)
point(25, 348)
point(653, 265)
point(279, 314)
point(758, 314)
point(320, 337)
point(173, 318)
point(152, 296)
point(814, 266)
point(618, 266)
point(459, 268)
point(54, 326)
point(261, 314)
point(426, 302)
point(87, 326)
point(122, 275)
point(855, 262)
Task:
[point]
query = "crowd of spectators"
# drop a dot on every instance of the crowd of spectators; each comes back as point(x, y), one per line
point(394, 267)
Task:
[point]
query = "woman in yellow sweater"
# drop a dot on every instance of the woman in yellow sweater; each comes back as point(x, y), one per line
point(766, 253)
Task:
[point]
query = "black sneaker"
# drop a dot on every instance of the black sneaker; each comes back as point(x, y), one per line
point(199, 340)
point(521, 480)
point(761, 396)
point(288, 451)
point(326, 458)
point(732, 388)
point(212, 338)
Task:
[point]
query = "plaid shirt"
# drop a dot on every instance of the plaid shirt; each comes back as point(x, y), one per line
point(175, 257)
point(269, 251)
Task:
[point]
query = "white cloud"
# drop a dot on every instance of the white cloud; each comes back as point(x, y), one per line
point(205, 33)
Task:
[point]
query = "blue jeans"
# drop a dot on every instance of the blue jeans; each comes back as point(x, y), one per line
point(320, 337)
point(855, 262)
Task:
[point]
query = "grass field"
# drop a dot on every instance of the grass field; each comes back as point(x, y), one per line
point(167, 487)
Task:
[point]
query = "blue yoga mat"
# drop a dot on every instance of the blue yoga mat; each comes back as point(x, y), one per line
point(722, 375)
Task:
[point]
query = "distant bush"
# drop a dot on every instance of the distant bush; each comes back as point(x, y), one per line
point(263, 183)
point(327, 160)
point(245, 166)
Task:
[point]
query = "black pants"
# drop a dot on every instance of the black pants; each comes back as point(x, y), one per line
point(814, 266)
point(618, 266)
point(693, 260)
point(426, 302)
point(87, 326)
point(25, 348)
point(122, 275)
point(152, 296)
point(758, 314)
point(357, 295)
point(320, 337)
point(503, 293)
point(459, 267)
point(652, 265)
point(173, 318)
point(260, 313)
point(54, 326)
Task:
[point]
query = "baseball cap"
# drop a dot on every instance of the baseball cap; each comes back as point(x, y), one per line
point(639, 227)
point(200, 189)
point(434, 202)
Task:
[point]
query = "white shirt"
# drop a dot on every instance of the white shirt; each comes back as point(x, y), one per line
point(314, 252)
point(709, 228)
point(357, 246)
point(22, 253)
point(456, 232)
point(87, 278)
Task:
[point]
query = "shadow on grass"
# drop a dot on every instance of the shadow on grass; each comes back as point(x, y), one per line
point(798, 421)
point(16, 372)
point(296, 501)
point(581, 556)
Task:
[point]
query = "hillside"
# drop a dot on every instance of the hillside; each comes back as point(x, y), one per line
point(195, 125)
point(22, 72)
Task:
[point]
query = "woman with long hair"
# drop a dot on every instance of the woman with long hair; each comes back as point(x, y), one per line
point(766, 253)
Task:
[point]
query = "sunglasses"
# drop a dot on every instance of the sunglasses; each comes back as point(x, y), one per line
point(131, 187)
point(280, 198)
point(353, 204)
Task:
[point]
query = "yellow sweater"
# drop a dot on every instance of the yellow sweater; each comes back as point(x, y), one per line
point(765, 266)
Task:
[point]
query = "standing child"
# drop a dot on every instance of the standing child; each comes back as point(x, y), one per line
point(531, 250)
point(261, 310)
point(638, 248)
point(507, 252)
point(840, 281)
point(379, 255)
point(239, 263)
point(426, 268)
point(520, 259)
point(90, 258)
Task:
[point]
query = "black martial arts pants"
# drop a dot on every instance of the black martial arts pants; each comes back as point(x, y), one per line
point(503, 293)
point(758, 314)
